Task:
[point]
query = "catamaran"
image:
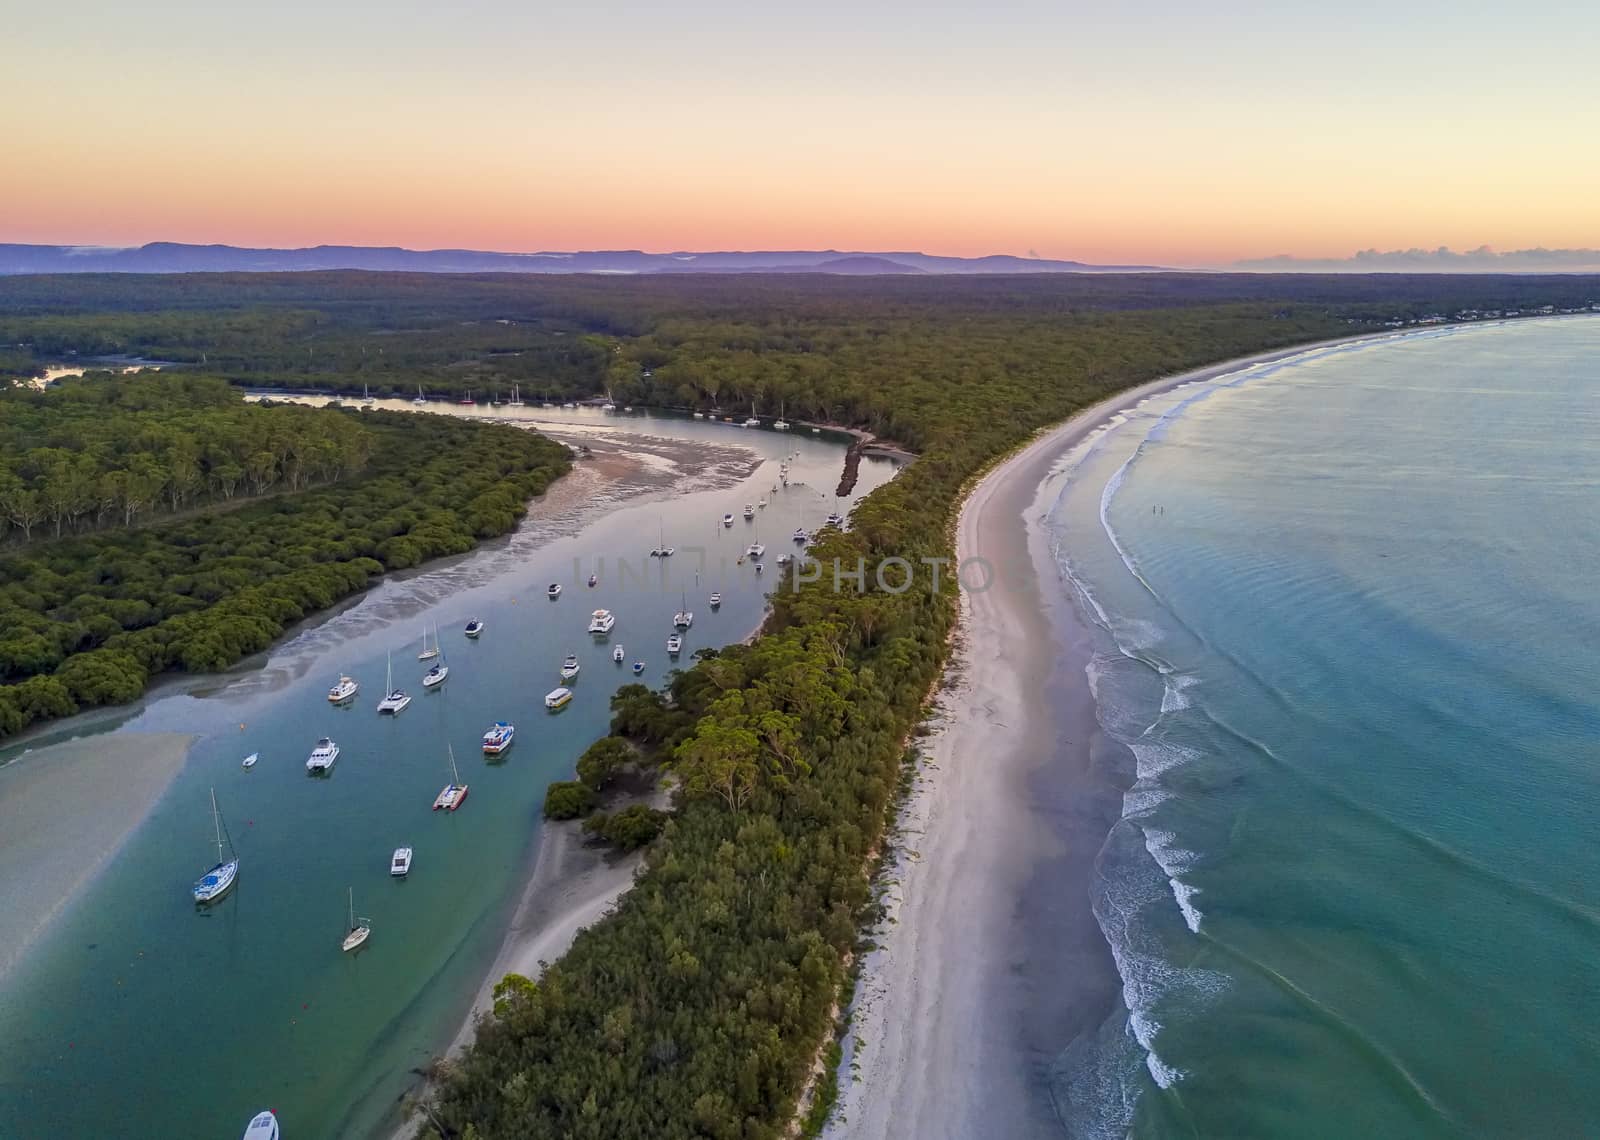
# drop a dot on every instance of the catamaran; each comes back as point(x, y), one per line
point(684, 618)
point(322, 756)
point(215, 883)
point(359, 930)
point(569, 667)
point(454, 793)
point(754, 550)
point(428, 654)
point(662, 550)
point(343, 689)
point(395, 700)
point(499, 738)
point(601, 622)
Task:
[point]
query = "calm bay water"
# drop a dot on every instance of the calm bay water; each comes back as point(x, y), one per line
point(1348, 619)
point(137, 1016)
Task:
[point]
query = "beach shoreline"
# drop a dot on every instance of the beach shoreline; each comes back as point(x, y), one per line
point(66, 809)
point(988, 960)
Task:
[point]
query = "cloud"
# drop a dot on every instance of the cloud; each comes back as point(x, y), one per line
point(1441, 260)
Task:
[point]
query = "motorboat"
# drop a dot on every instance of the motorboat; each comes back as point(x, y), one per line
point(434, 677)
point(569, 667)
point(638, 667)
point(618, 655)
point(663, 552)
point(453, 794)
point(557, 698)
point(343, 690)
point(473, 628)
point(761, 504)
point(755, 550)
point(594, 580)
point(400, 865)
point(263, 1126)
point(322, 756)
point(835, 519)
point(674, 645)
point(554, 591)
point(601, 622)
point(727, 520)
point(800, 534)
point(749, 511)
point(499, 738)
point(250, 760)
point(716, 598)
point(360, 929)
point(216, 882)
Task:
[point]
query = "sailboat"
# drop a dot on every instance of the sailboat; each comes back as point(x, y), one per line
point(662, 550)
point(780, 424)
point(752, 421)
point(434, 677)
point(366, 397)
point(452, 794)
point(421, 399)
point(428, 654)
point(360, 929)
point(215, 883)
point(394, 700)
point(684, 618)
point(516, 397)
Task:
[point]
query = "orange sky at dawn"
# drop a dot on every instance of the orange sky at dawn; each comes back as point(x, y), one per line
point(1169, 136)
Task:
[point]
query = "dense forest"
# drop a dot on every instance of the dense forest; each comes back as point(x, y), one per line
point(697, 1008)
point(89, 618)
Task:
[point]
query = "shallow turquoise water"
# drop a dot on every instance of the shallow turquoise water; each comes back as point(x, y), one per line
point(137, 1016)
point(1348, 628)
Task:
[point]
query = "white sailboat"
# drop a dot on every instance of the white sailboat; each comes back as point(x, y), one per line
point(359, 930)
point(215, 883)
point(434, 677)
point(262, 1126)
point(684, 618)
point(428, 654)
point(453, 793)
point(516, 397)
point(421, 399)
point(394, 700)
point(662, 550)
point(780, 424)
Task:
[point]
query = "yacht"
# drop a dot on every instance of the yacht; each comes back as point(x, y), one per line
point(755, 550)
point(263, 1126)
point(601, 622)
point(454, 793)
point(499, 738)
point(473, 628)
point(674, 645)
point(727, 520)
point(360, 929)
point(322, 756)
point(554, 591)
point(638, 667)
point(569, 667)
point(434, 677)
point(343, 690)
point(716, 598)
point(749, 511)
point(400, 865)
point(215, 883)
point(617, 655)
point(250, 760)
point(396, 700)
point(557, 698)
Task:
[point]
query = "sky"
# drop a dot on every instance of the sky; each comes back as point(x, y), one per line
point(1167, 131)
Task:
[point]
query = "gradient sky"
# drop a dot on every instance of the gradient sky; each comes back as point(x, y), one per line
point(1164, 131)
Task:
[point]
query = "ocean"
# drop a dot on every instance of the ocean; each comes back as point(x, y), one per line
point(1346, 627)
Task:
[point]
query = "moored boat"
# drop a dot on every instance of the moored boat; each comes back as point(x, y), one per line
point(434, 677)
point(322, 756)
point(674, 645)
point(638, 667)
point(395, 700)
point(601, 622)
point(727, 520)
point(617, 654)
point(358, 931)
point(400, 863)
point(755, 550)
point(474, 627)
point(263, 1126)
point(569, 667)
point(499, 738)
point(429, 652)
point(215, 883)
point(716, 598)
point(250, 760)
point(345, 688)
point(554, 591)
point(454, 793)
point(557, 698)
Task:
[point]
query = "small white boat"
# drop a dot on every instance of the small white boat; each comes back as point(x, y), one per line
point(617, 655)
point(322, 756)
point(758, 567)
point(428, 652)
point(400, 865)
point(835, 519)
point(755, 550)
point(434, 677)
point(343, 690)
point(569, 405)
point(554, 591)
point(627, 408)
point(781, 425)
point(749, 511)
point(608, 406)
point(816, 431)
point(761, 504)
point(785, 559)
point(360, 929)
point(570, 667)
point(473, 628)
point(215, 883)
point(557, 698)
point(699, 415)
point(453, 794)
point(250, 760)
point(752, 422)
point(800, 535)
point(397, 699)
point(674, 645)
point(727, 520)
point(638, 667)
point(263, 1126)
point(499, 738)
point(601, 622)
point(716, 598)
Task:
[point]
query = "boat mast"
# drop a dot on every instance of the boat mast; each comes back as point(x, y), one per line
point(216, 818)
point(455, 776)
point(352, 908)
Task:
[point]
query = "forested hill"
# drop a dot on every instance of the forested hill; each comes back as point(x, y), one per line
point(89, 618)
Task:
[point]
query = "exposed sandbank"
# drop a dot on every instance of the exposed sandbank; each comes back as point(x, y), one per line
point(64, 811)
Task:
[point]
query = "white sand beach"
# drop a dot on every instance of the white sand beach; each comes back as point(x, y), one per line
point(65, 809)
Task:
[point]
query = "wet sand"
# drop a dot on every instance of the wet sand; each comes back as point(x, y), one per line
point(64, 811)
point(989, 961)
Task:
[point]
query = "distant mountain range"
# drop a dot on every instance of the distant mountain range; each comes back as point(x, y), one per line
point(174, 257)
